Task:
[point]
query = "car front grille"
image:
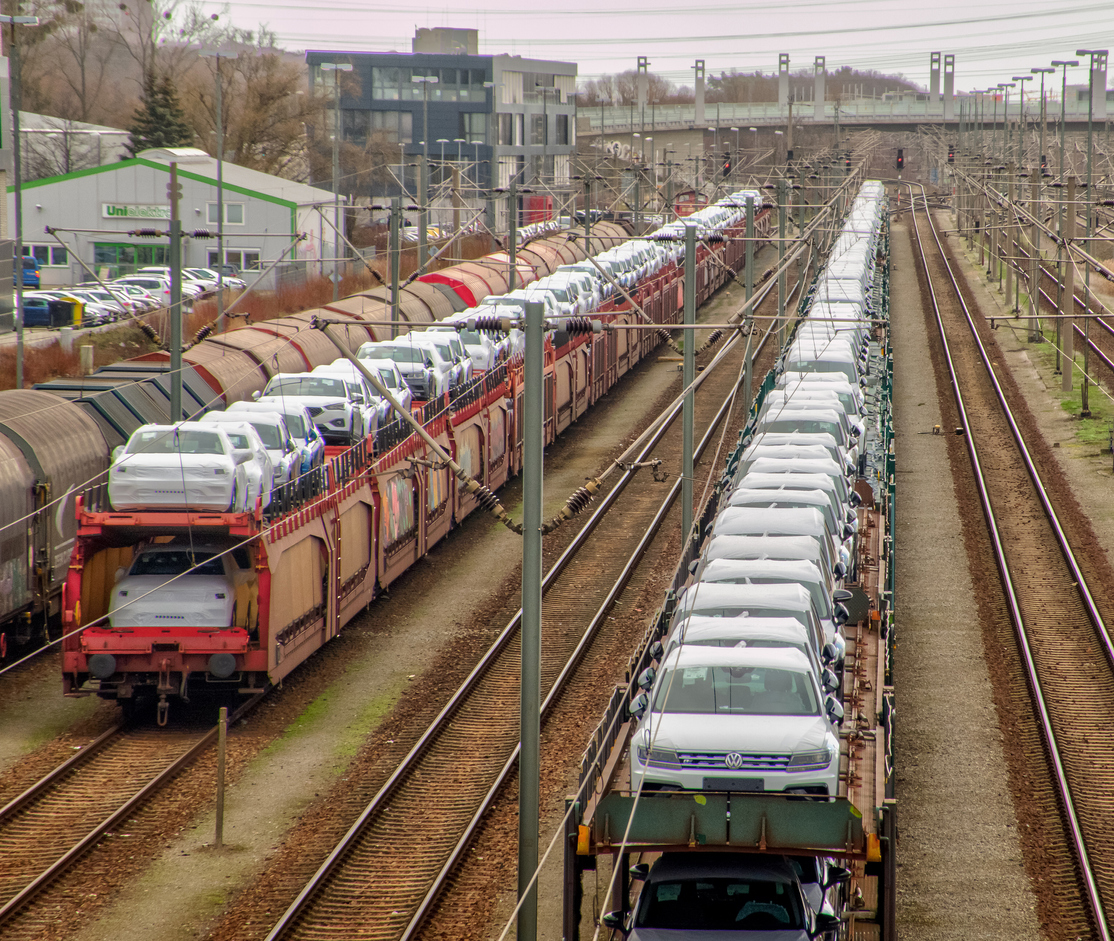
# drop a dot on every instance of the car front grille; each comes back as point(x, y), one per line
point(718, 760)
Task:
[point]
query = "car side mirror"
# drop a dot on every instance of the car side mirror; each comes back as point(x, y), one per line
point(641, 871)
point(639, 705)
point(839, 570)
point(358, 399)
point(656, 651)
point(613, 920)
point(646, 678)
point(833, 710)
point(825, 923)
point(831, 681)
point(842, 595)
point(829, 654)
point(837, 875)
point(255, 395)
point(242, 456)
point(840, 615)
point(117, 452)
point(855, 499)
point(120, 573)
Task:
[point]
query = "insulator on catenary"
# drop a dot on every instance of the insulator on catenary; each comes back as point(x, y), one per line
point(203, 234)
point(575, 326)
point(148, 233)
point(205, 332)
point(150, 333)
point(490, 324)
point(713, 338)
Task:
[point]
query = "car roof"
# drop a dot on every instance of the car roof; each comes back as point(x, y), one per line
point(790, 596)
point(262, 416)
point(279, 405)
point(803, 569)
point(702, 626)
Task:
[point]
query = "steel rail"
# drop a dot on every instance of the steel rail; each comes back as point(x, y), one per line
point(288, 918)
point(93, 836)
point(44, 782)
point(620, 583)
point(1097, 909)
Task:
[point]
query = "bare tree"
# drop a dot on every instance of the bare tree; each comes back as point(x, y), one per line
point(59, 148)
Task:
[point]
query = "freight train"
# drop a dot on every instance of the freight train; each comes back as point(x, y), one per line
point(330, 542)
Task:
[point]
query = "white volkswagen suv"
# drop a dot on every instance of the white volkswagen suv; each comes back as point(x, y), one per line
point(736, 719)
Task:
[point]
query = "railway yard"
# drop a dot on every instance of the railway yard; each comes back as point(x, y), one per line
point(371, 764)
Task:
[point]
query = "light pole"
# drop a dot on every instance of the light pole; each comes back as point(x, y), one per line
point(423, 171)
point(1043, 116)
point(217, 101)
point(736, 160)
point(1093, 55)
point(1021, 79)
point(1006, 86)
point(336, 68)
point(17, 249)
point(1066, 64)
point(755, 131)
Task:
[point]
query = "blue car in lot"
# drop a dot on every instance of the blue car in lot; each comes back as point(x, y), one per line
point(300, 425)
point(31, 272)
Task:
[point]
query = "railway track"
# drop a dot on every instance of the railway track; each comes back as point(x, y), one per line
point(434, 801)
point(54, 823)
point(1065, 650)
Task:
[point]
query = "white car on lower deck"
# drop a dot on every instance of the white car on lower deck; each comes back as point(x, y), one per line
point(182, 584)
point(736, 719)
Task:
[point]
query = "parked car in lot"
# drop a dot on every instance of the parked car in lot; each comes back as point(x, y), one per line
point(194, 286)
point(190, 466)
point(299, 423)
point(244, 437)
point(215, 587)
point(230, 280)
point(327, 399)
point(699, 727)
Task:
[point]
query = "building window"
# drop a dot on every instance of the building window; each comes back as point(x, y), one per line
point(233, 214)
point(473, 126)
point(519, 136)
point(396, 126)
point(562, 129)
point(125, 258)
point(384, 83)
point(355, 125)
point(48, 256)
point(244, 259)
point(537, 129)
point(506, 130)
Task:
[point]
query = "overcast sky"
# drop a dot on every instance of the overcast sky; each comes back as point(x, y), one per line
point(991, 41)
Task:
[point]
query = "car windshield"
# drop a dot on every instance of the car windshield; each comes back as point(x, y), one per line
point(387, 376)
point(306, 385)
point(471, 337)
point(804, 425)
point(269, 434)
point(170, 441)
point(175, 562)
point(239, 440)
point(752, 691)
point(720, 904)
point(406, 354)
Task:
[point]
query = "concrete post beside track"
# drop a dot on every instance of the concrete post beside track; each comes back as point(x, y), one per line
point(1008, 250)
point(688, 376)
point(1034, 266)
point(1067, 303)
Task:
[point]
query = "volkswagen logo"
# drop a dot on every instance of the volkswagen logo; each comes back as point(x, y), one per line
point(733, 760)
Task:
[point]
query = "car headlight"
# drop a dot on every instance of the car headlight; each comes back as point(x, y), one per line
point(810, 760)
point(656, 756)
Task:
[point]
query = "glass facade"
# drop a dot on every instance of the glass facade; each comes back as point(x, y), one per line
point(394, 83)
point(124, 258)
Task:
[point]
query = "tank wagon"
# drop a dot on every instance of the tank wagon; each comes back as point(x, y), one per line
point(733, 820)
point(331, 542)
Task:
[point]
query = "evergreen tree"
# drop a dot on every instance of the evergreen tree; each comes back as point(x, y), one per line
point(159, 121)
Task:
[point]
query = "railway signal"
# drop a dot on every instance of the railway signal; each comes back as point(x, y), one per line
point(900, 158)
point(726, 164)
point(951, 154)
